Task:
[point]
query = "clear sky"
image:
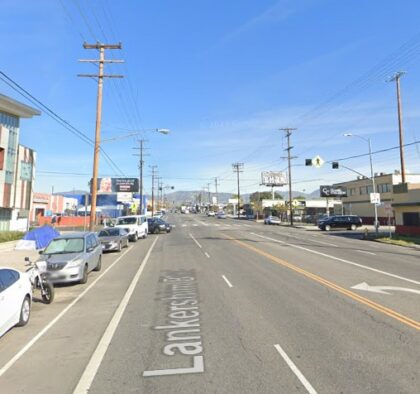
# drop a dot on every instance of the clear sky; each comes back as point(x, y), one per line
point(224, 76)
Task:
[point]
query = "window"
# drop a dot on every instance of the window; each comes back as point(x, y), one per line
point(411, 219)
point(7, 278)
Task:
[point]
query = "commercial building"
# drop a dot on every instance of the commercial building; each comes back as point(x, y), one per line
point(406, 205)
point(44, 204)
point(17, 166)
point(358, 202)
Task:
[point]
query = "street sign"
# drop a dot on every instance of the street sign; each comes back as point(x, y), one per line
point(273, 178)
point(331, 191)
point(317, 161)
point(375, 198)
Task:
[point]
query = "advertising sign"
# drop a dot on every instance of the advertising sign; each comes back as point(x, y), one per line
point(273, 178)
point(118, 185)
point(330, 191)
point(124, 197)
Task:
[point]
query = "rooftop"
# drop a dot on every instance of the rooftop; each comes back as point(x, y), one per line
point(17, 108)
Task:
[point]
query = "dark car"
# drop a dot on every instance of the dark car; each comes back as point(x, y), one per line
point(349, 222)
point(157, 225)
point(113, 238)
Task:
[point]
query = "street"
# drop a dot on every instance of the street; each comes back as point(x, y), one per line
point(228, 306)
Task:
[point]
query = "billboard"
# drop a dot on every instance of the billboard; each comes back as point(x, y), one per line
point(273, 178)
point(331, 191)
point(118, 185)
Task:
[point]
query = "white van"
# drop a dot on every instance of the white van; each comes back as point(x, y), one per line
point(136, 225)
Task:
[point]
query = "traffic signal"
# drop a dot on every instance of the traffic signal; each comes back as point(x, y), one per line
point(308, 162)
point(335, 165)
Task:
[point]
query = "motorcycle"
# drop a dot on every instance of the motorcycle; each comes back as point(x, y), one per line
point(38, 276)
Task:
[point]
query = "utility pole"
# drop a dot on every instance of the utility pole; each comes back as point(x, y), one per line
point(216, 184)
point(288, 131)
point(100, 76)
point(238, 167)
point(154, 173)
point(209, 194)
point(141, 165)
point(396, 78)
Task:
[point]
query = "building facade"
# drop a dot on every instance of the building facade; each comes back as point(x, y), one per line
point(358, 202)
point(406, 205)
point(44, 204)
point(17, 166)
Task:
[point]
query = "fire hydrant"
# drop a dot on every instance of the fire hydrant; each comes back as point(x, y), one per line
point(366, 233)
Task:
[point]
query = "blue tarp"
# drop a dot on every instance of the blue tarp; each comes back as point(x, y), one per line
point(42, 236)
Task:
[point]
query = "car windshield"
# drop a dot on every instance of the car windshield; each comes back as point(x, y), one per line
point(127, 221)
point(65, 245)
point(112, 232)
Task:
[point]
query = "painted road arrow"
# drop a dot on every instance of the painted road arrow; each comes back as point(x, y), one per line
point(382, 289)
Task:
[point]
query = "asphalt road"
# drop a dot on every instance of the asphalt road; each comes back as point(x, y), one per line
point(228, 306)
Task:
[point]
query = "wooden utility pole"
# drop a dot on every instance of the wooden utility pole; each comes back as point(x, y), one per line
point(396, 78)
point(288, 131)
point(100, 76)
point(141, 166)
point(154, 173)
point(216, 184)
point(238, 167)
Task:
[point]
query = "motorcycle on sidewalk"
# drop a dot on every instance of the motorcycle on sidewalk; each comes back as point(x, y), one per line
point(37, 273)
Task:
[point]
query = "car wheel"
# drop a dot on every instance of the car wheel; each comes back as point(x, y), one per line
point(136, 237)
point(25, 312)
point(353, 227)
point(119, 247)
point(99, 265)
point(85, 275)
point(327, 227)
point(126, 243)
point(145, 235)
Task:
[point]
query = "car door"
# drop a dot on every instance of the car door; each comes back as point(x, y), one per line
point(90, 252)
point(97, 251)
point(10, 299)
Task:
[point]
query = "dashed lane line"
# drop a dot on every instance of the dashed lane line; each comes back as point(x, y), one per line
point(295, 370)
point(227, 281)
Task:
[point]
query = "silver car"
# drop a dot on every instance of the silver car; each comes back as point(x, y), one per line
point(113, 238)
point(72, 256)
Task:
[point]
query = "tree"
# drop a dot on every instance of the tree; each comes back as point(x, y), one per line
point(259, 196)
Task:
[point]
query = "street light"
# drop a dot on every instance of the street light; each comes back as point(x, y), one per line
point(371, 173)
point(136, 132)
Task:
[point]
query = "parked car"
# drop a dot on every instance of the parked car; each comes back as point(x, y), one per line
point(136, 226)
point(157, 225)
point(272, 220)
point(211, 213)
point(15, 299)
point(113, 238)
point(71, 257)
point(221, 215)
point(349, 222)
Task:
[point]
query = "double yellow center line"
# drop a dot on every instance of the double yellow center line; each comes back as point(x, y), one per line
point(378, 307)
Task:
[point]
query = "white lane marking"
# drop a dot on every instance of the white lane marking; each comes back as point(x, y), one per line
point(95, 361)
point(227, 281)
point(311, 240)
point(207, 255)
point(202, 223)
point(217, 225)
point(195, 225)
point(227, 225)
point(22, 351)
point(247, 225)
point(295, 370)
point(184, 225)
point(198, 244)
point(383, 289)
point(341, 260)
point(366, 252)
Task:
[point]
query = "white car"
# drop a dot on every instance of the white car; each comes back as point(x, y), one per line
point(136, 226)
point(15, 299)
point(211, 213)
point(272, 220)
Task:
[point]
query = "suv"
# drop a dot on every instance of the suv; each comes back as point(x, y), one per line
point(72, 256)
point(136, 226)
point(349, 222)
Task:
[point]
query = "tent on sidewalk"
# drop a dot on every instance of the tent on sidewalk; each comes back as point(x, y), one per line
point(38, 238)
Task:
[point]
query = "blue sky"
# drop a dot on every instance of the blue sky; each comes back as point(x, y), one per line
point(224, 77)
